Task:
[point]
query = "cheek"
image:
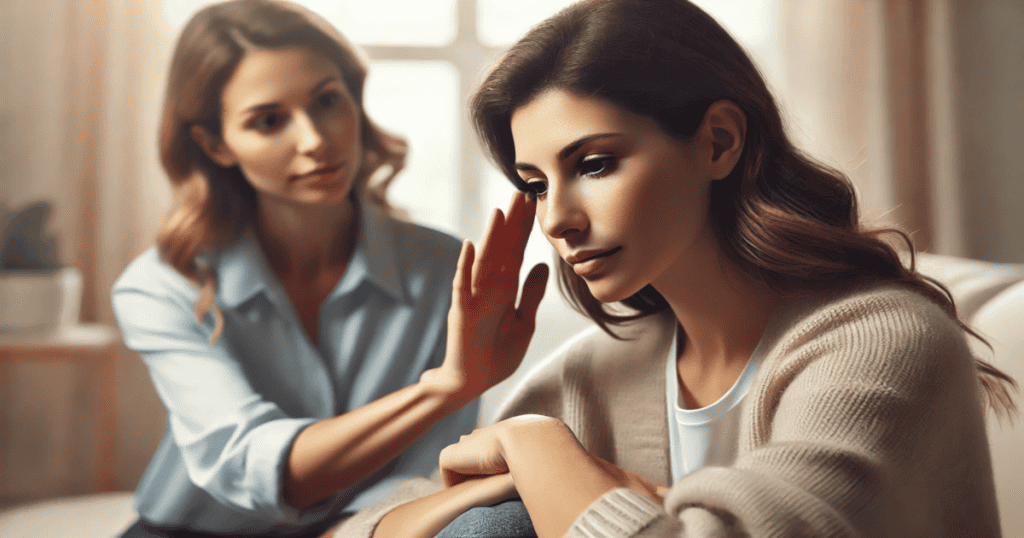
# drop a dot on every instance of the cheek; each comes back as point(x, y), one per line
point(347, 127)
point(256, 152)
point(619, 207)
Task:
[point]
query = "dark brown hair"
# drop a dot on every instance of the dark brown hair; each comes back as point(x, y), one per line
point(783, 219)
point(214, 203)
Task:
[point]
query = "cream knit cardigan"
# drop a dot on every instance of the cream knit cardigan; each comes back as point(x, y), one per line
point(864, 420)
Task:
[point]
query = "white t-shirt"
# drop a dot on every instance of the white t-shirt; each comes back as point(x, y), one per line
point(709, 435)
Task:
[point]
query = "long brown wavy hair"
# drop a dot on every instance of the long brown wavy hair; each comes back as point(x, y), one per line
point(782, 218)
point(214, 203)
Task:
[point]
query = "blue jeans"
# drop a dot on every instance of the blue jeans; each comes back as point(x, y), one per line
point(504, 520)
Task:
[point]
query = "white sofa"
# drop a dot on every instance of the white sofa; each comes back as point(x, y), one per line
point(990, 297)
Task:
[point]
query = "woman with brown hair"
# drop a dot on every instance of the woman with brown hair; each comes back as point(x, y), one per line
point(294, 329)
point(764, 365)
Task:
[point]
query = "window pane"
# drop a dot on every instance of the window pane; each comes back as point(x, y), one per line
point(749, 21)
point(752, 23)
point(419, 101)
point(390, 22)
point(178, 12)
point(501, 22)
point(383, 22)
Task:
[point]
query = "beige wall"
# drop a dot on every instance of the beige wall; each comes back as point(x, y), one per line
point(989, 57)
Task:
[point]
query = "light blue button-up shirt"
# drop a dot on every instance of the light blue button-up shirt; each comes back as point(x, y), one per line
point(235, 407)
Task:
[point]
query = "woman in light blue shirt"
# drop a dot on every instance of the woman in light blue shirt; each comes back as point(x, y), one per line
point(295, 330)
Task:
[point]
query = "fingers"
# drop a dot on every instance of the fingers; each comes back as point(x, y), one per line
point(518, 225)
point(475, 454)
point(490, 250)
point(450, 478)
point(504, 244)
point(533, 291)
point(463, 281)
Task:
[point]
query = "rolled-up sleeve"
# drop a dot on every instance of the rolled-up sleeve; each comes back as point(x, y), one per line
point(233, 443)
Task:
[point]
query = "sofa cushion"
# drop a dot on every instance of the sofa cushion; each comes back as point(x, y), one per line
point(102, 515)
point(972, 282)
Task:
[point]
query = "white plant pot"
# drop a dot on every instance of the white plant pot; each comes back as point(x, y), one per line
point(32, 303)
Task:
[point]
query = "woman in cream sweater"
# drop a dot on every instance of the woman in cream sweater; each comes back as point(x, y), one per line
point(764, 365)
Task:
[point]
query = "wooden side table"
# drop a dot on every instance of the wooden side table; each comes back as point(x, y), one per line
point(89, 344)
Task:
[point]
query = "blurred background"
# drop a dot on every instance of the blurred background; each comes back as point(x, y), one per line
point(919, 102)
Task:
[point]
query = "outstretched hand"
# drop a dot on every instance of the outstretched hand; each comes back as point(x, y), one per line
point(487, 333)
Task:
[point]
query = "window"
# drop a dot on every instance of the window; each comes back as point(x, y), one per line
point(427, 56)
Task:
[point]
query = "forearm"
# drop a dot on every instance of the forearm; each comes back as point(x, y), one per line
point(555, 476)
point(335, 453)
point(427, 516)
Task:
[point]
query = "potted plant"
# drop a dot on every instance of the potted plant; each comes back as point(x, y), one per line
point(38, 294)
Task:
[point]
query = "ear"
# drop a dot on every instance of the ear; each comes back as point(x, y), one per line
point(722, 134)
point(213, 146)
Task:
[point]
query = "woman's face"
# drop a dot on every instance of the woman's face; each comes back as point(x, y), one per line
point(621, 201)
point(292, 127)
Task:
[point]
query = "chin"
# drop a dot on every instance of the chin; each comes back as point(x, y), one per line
point(608, 291)
point(325, 197)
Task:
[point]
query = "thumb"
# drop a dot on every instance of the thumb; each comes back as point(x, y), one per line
point(533, 292)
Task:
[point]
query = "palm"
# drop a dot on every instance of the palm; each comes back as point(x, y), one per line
point(487, 334)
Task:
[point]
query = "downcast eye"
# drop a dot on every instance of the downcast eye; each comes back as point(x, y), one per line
point(328, 99)
point(266, 122)
point(537, 187)
point(597, 165)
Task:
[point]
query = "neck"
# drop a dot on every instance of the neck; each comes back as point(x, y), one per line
point(722, 312)
point(304, 241)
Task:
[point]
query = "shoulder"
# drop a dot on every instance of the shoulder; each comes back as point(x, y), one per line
point(873, 341)
point(595, 362)
point(155, 305)
point(596, 352)
point(150, 275)
point(417, 239)
point(887, 315)
point(416, 248)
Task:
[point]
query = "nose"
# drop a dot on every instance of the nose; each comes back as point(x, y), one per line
point(309, 138)
point(563, 215)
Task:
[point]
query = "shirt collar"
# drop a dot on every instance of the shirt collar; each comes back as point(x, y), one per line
point(375, 257)
point(243, 271)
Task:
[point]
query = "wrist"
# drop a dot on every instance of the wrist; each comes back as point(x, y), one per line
point(486, 490)
point(532, 436)
point(452, 389)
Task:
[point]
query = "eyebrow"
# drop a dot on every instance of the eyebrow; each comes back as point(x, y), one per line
point(269, 106)
point(570, 148)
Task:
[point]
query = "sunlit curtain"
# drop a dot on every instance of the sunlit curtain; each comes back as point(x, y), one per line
point(78, 76)
point(869, 88)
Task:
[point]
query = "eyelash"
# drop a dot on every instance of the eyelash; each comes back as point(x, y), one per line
point(606, 161)
point(270, 122)
point(328, 99)
point(266, 123)
point(607, 165)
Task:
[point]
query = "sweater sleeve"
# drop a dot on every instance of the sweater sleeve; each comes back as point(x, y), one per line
point(865, 421)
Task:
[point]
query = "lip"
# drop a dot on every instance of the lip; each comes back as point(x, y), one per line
point(586, 262)
point(322, 173)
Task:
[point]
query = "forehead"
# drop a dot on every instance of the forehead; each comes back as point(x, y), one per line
point(556, 117)
point(275, 75)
